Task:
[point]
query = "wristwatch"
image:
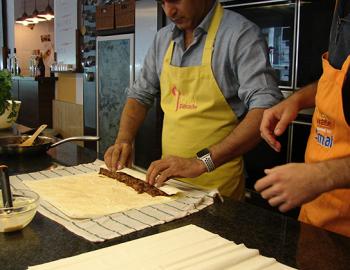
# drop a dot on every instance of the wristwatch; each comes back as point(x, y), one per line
point(204, 155)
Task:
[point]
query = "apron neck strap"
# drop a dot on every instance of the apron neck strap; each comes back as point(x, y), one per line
point(214, 26)
point(346, 64)
point(209, 42)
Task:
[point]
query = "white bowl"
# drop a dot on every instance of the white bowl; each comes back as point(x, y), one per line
point(25, 204)
point(4, 121)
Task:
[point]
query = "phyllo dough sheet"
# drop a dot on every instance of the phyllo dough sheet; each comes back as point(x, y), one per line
point(91, 195)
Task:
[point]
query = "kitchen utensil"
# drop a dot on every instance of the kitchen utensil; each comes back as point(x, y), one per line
point(32, 138)
point(16, 217)
point(10, 145)
point(5, 187)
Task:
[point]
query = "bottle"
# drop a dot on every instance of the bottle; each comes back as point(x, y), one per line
point(8, 63)
point(15, 69)
point(18, 68)
point(90, 31)
point(88, 61)
point(89, 16)
point(88, 46)
point(53, 68)
point(41, 66)
point(32, 65)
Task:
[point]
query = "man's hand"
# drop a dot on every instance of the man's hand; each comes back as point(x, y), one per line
point(276, 120)
point(118, 156)
point(291, 185)
point(161, 170)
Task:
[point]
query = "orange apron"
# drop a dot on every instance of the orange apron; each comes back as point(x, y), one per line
point(197, 115)
point(329, 139)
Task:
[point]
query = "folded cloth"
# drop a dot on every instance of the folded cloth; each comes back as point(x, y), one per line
point(189, 247)
point(114, 221)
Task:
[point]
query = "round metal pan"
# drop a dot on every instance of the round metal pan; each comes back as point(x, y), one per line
point(10, 144)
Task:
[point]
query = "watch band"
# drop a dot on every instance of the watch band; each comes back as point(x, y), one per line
point(204, 155)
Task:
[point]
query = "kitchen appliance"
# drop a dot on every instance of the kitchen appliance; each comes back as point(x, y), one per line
point(295, 34)
point(10, 144)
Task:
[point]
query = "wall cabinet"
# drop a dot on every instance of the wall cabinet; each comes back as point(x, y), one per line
point(36, 96)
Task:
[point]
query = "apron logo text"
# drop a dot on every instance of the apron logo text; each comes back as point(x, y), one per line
point(181, 102)
point(324, 121)
point(324, 140)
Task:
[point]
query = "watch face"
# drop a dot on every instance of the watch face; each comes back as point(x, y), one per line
point(203, 152)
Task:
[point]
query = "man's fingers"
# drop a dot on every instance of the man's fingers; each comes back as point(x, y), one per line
point(269, 193)
point(115, 158)
point(107, 158)
point(271, 140)
point(263, 183)
point(282, 124)
point(286, 206)
point(276, 200)
point(124, 156)
point(162, 177)
point(154, 170)
point(267, 127)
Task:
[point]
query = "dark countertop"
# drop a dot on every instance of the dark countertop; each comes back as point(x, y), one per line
point(31, 78)
point(275, 235)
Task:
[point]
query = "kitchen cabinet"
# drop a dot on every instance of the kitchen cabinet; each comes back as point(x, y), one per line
point(36, 96)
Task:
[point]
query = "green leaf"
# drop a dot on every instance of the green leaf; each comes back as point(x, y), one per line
point(5, 93)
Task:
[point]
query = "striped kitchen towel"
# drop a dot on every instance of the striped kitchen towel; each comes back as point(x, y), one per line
point(110, 226)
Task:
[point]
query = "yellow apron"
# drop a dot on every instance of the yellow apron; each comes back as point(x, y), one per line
point(329, 139)
point(196, 115)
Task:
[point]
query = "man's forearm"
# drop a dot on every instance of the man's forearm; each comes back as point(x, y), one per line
point(132, 117)
point(336, 172)
point(305, 97)
point(243, 138)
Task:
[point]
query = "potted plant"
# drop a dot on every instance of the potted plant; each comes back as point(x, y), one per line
point(8, 107)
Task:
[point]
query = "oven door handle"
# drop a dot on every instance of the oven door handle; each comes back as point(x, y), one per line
point(251, 4)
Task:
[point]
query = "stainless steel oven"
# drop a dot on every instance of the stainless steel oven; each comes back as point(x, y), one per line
point(296, 32)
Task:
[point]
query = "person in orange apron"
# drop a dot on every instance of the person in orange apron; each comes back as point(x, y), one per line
point(206, 126)
point(322, 183)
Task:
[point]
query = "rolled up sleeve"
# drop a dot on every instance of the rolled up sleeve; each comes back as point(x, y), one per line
point(256, 78)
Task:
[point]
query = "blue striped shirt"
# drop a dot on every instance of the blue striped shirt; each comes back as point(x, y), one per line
point(240, 63)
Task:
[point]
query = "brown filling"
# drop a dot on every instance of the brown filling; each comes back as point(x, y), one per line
point(137, 184)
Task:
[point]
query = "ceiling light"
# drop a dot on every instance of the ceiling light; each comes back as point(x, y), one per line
point(22, 19)
point(34, 18)
point(48, 14)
